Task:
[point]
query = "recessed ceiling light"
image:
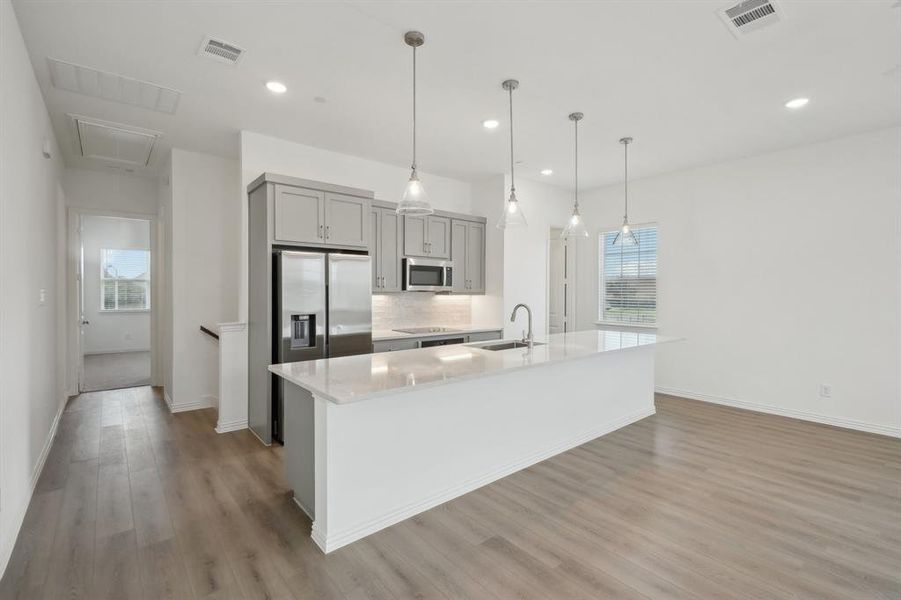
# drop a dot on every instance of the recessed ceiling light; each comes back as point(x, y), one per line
point(797, 103)
point(490, 123)
point(547, 172)
point(276, 87)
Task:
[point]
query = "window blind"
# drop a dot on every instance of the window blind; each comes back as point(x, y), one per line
point(628, 278)
point(125, 279)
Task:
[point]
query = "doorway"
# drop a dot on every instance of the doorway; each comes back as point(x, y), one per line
point(114, 279)
point(561, 283)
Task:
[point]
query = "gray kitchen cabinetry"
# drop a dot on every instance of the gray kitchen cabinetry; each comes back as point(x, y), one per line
point(409, 343)
point(385, 248)
point(427, 236)
point(320, 217)
point(468, 254)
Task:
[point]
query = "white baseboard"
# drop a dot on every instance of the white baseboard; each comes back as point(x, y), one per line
point(804, 415)
point(184, 407)
point(231, 426)
point(330, 543)
point(116, 351)
point(8, 544)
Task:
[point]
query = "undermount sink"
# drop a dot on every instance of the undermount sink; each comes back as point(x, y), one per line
point(508, 345)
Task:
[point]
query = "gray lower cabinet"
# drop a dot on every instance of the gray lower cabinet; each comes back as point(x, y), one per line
point(392, 345)
point(427, 236)
point(306, 216)
point(411, 343)
point(468, 254)
point(385, 249)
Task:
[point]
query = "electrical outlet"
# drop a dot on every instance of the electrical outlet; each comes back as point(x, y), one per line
point(42, 297)
point(825, 390)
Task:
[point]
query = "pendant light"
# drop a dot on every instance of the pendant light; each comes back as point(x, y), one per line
point(415, 201)
point(625, 237)
point(512, 215)
point(576, 227)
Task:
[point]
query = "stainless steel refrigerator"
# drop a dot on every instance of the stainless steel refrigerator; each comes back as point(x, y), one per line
point(322, 309)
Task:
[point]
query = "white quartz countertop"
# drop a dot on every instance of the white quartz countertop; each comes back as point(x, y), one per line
point(382, 335)
point(354, 378)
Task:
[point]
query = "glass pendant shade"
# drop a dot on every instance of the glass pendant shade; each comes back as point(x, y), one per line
point(575, 227)
point(512, 215)
point(415, 201)
point(625, 237)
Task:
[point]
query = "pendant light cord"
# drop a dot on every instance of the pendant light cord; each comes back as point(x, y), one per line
point(576, 161)
point(512, 179)
point(626, 179)
point(414, 109)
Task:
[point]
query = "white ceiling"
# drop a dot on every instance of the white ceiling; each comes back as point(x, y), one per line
point(668, 73)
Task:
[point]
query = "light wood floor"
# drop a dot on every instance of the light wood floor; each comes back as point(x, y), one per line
point(698, 501)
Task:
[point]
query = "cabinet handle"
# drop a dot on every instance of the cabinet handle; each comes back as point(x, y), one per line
point(328, 231)
point(320, 231)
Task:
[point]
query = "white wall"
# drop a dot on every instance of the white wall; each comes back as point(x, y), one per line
point(32, 219)
point(526, 253)
point(203, 246)
point(782, 271)
point(110, 191)
point(111, 331)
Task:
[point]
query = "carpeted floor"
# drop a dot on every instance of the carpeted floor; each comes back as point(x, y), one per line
point(119, 370)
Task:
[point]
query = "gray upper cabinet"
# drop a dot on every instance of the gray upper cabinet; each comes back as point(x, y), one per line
point(416, 236)
point(468, 254)
point(299, 215)
point(320, 218)
point(458, 255)
point(385, 250)
point(427, 236)
point(439, 237)
point(475, 257)
point(347, 220)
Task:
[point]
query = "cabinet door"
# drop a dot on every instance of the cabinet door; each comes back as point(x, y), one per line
point(298, 215)
point(346, 220)
point(390, 247)
point(415, 236)
point(439, 239)
point(475, 257)
point(374, 251)
point(459, 231)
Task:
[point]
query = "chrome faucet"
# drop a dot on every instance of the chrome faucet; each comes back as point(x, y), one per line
point(526, 338)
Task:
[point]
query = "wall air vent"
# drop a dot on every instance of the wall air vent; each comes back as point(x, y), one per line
point(113, 142)
point(218, 50)
point(110, 86)
point(750, 15)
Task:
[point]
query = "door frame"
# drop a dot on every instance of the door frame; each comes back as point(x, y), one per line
point(74, 350)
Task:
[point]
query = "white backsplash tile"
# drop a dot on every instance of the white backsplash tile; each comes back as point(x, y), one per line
point(415, 309)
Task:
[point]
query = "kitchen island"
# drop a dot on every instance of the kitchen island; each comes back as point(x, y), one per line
point(373, 439)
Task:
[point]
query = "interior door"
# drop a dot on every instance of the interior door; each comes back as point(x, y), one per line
point(557, 292)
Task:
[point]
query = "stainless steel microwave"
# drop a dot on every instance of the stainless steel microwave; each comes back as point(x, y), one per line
point(428, 275)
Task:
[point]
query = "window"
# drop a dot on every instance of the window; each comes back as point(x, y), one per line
point(124, 279)
point(628, 279)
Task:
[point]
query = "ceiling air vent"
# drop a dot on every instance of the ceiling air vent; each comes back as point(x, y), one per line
point(750, 15)
point(111, 86)
point(221, 51)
